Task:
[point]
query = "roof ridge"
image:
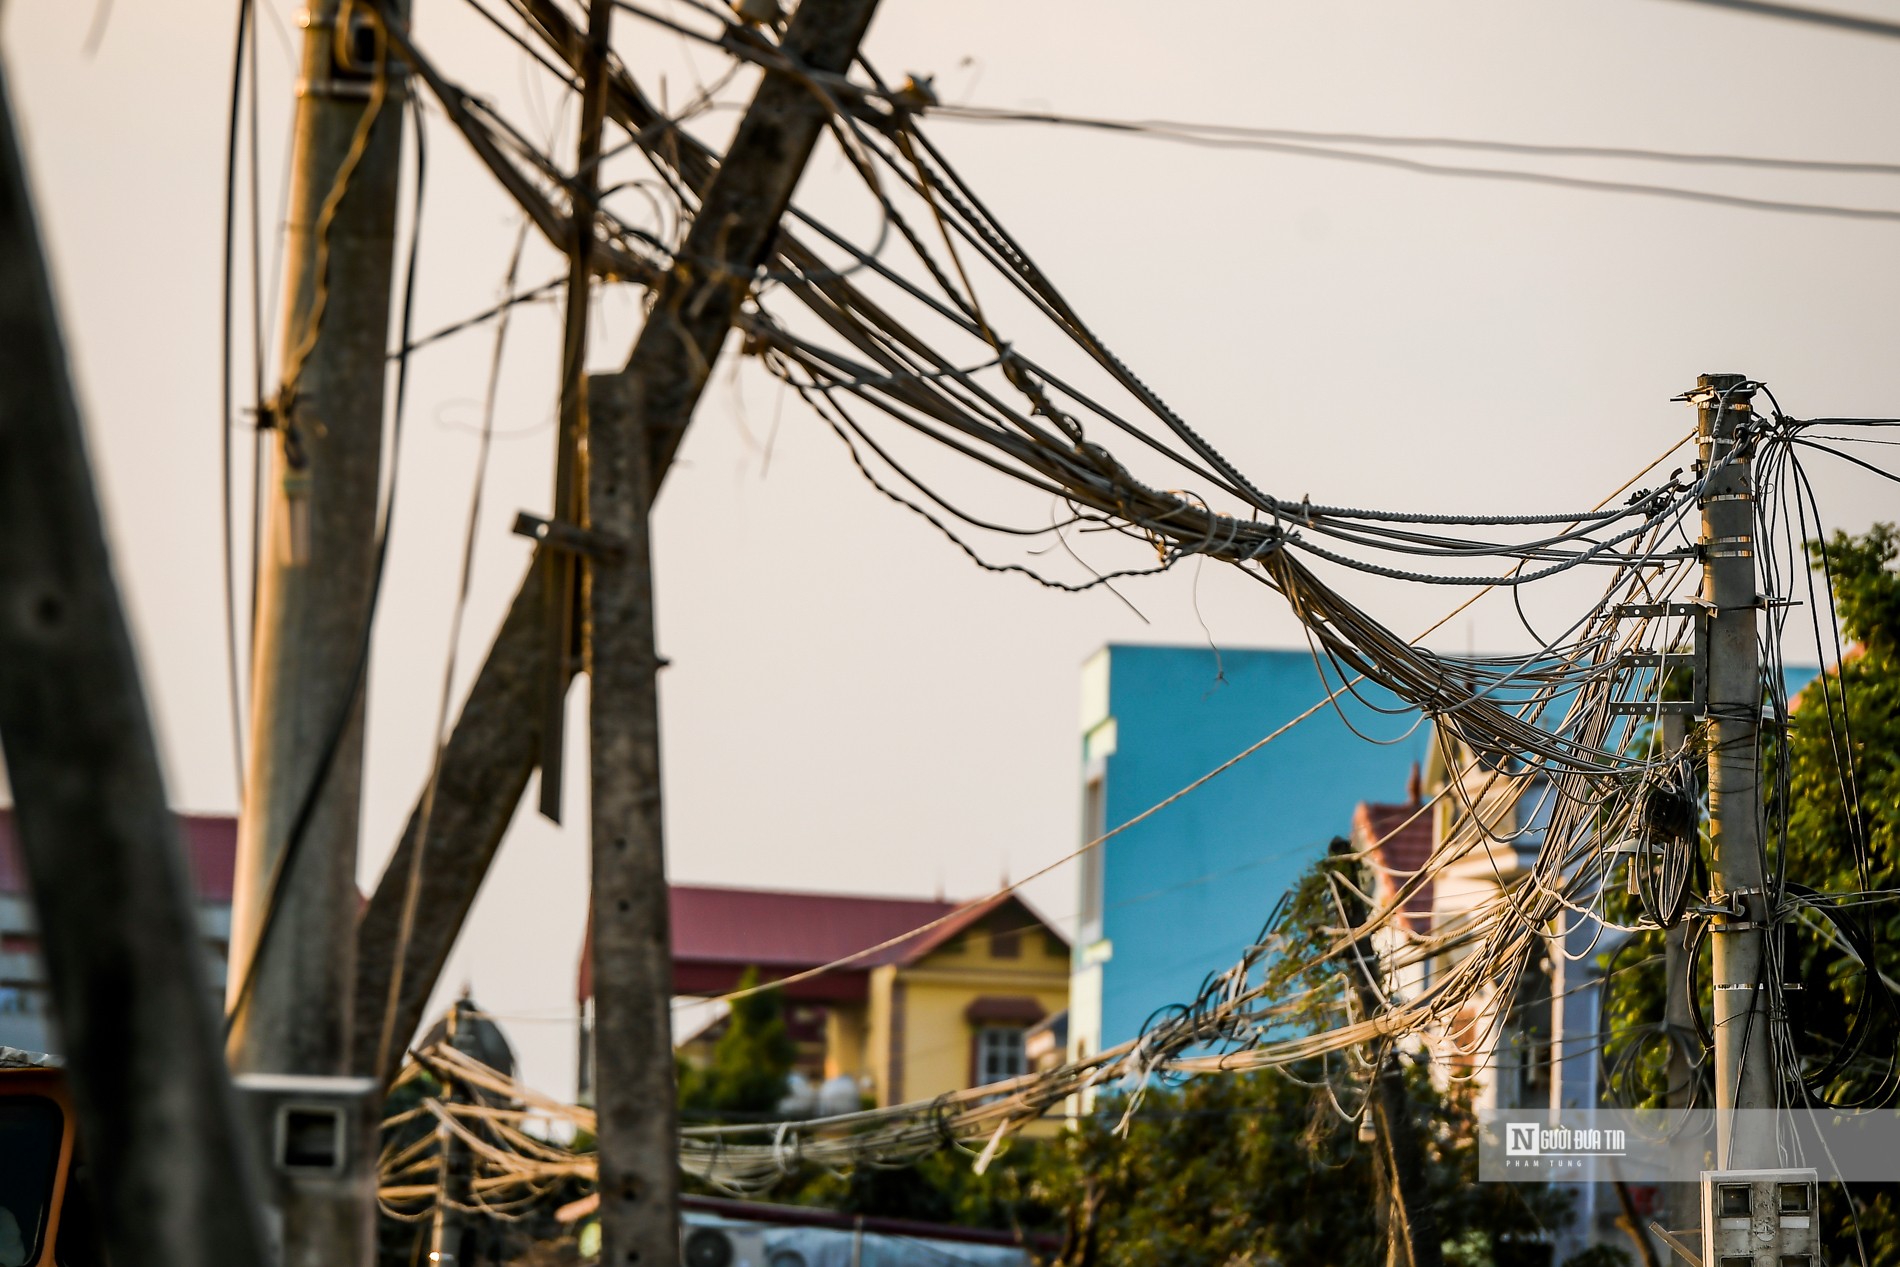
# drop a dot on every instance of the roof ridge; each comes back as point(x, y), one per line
point(830, 895)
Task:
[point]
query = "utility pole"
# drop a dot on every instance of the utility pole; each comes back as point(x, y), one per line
point(634, 423)
point(1745, 1078)
point(447, 1229)
point(294, 910)
point(1411, 1224)
point(561, 579)
point(496, 742)
point(136, 1011)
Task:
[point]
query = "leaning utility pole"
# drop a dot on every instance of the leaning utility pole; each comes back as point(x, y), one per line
point(634, 421)
point(1411, 1226)
point(294, 909)
point(1744, 1041)
point(172, 1170)
point(496, 742)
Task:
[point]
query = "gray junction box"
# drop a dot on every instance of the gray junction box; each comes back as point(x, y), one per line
point(1759, 1218)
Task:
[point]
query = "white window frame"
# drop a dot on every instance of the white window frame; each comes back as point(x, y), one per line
point(1000, 1054)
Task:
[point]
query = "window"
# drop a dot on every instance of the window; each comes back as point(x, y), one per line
point(999, 1054)
point(1094, 825)
point(1006, 943)
point(31, 1127)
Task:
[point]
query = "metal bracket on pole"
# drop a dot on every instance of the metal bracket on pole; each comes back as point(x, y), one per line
point(1648, 611)
point(1695, 660)
point(570, 538)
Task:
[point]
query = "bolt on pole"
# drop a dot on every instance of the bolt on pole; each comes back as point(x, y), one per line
point(1744, 1042)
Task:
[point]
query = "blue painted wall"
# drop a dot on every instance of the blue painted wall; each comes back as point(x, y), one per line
point(1185, 892)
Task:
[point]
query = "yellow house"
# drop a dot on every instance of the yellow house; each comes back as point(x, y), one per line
point(951, 1010)
point(940, 1011)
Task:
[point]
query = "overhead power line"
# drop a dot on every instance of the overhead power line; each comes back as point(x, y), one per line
point(1263, 141)
point(1819, 17)
point(1538, 747)
point(859, 98)
point(1231, 135)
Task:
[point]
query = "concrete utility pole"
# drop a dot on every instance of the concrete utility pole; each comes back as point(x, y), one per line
point(1399, 1159)
point(1744, 1042)
point(496, 741)
point(292, 967)
point(136, 1012)
point(317, 564)
point(634, 424)
point(634, 1093)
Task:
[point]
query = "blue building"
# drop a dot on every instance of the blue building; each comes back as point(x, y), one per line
point(1184, 893)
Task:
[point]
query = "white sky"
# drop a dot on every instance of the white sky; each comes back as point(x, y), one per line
point(852, 705)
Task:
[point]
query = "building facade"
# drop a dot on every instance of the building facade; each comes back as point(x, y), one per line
point(941, 1010)
point(25, 1011)
point(1186, 891)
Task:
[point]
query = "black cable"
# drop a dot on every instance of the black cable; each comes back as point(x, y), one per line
point(1853, 932)
point(1821, 17)
point(226, 418)
point(1517, 176)
point(1163, 129)
point(1848, 457)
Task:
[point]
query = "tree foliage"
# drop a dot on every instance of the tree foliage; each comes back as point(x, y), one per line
point(1833, 802)
point(1843, 816)
point(1228, 1169)
point(750, 1061)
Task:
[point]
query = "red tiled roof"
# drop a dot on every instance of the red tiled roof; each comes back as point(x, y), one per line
point(767, 929)
point(1400, 849)
point(719, 932)
point(210, 849)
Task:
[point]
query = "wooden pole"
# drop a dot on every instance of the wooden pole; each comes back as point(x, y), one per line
point(118, 929)
point(1399, 1157)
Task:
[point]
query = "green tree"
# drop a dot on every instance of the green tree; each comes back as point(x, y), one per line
point(750, 1061)
point(1264, 1167)
point(1235, 1168)
point(1841, 801)
point(1259, 1168)
point(1833, 799)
